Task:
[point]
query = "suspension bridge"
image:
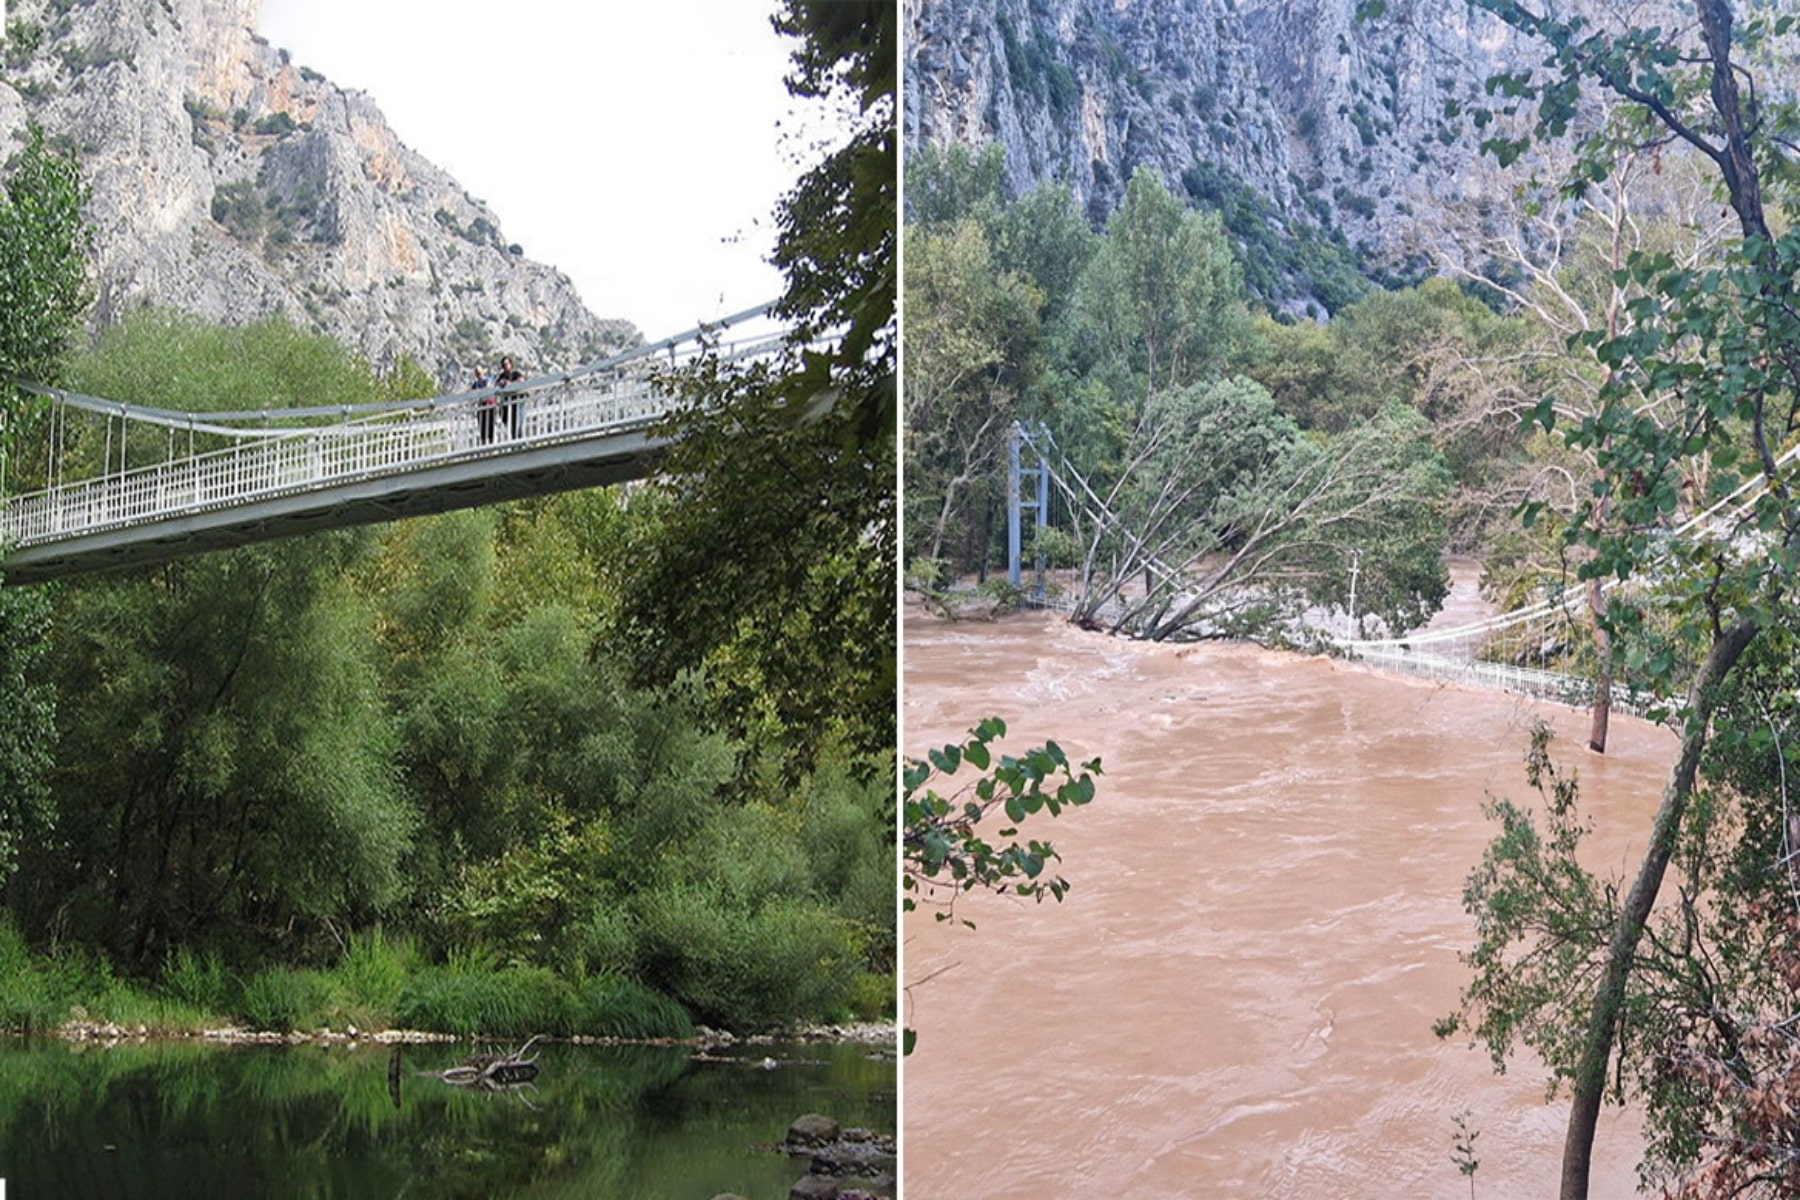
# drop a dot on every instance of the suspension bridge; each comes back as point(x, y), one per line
point(221, 479)
point(1542, 650)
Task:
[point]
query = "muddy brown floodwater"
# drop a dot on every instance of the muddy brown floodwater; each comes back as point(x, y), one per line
point(1236, 997)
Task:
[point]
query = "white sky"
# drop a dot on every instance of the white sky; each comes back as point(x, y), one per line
point(632, 144)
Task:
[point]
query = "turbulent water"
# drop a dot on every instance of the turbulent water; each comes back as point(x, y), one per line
point(1236, 998)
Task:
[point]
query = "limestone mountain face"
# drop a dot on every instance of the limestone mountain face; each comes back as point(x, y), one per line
point(1337, 124)
point(231, 183)
point(1082, 91)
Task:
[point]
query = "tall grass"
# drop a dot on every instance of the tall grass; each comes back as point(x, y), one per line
point(27, 1001)
point(379, 981)
point(283, 998)
point(521, 1001)
point(613, 1006)
point(199, 980)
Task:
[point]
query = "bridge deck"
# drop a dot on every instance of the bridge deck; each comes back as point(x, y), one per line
point(585, 429)
point(332, 478)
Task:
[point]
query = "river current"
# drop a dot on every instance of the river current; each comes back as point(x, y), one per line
point(1236, 997)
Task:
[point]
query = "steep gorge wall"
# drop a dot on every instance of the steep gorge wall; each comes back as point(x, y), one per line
point(1336, 122)
point(231, 183)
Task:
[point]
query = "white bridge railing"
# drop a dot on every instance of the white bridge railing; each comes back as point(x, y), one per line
point(615, 397)
point(1572, 690)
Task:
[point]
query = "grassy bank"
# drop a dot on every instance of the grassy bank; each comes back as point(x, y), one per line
point(378, 982)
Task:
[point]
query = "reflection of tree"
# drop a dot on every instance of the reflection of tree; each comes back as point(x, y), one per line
point(622, 1122)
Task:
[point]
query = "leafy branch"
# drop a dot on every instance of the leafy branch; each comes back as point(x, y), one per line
point(941, 843)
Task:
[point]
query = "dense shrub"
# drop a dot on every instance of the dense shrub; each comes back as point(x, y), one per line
point(787, 960)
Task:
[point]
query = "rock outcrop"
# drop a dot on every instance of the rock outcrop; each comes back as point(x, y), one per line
point(229, 182)
point(1337, 123)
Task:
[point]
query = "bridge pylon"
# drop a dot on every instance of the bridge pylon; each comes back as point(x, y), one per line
point(1022, 437)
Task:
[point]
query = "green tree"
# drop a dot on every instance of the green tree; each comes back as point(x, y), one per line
point(778, 554)
point(1161, 300)
point(44, 288)
point(27, 729)
point(945, 185)
point(990, 282)
point(1723, 339)
point(570, 820)
point(971, 341)
point(223, 769)
point(43, 295)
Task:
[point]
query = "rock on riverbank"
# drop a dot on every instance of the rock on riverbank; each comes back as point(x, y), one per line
point(845, 1164)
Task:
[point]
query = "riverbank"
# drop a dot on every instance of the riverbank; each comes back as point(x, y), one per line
point(874, 1034)
point(381, 989)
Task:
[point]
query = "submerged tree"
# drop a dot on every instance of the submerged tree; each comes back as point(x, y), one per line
point(1234, 522)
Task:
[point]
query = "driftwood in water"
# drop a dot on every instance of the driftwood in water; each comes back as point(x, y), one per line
point(493, 1072)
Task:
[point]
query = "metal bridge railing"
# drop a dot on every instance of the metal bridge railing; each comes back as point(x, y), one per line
point(312, 459)
point(388, 440)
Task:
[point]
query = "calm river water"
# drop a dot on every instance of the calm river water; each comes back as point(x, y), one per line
point(1236, 998)
point(627, 1123)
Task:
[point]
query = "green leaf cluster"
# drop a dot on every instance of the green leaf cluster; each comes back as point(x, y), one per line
point(773, 569)
point(43, 295)
point(941, 844)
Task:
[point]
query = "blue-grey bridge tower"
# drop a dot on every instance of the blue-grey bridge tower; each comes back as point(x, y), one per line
point(1024, 436)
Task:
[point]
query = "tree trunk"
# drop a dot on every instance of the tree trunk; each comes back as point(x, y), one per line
point(1603, 672)
point(987, 539)
point(1596, 1051)
point(1738, 166)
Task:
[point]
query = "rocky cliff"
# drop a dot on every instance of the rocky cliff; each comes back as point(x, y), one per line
point(229, 182)
point(1334, 124)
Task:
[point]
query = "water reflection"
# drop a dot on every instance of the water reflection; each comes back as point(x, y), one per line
point(185, 1120)
point(511, 1072)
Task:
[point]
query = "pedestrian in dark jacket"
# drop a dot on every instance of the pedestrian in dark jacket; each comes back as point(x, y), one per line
point(509, 376)
point(484, 405)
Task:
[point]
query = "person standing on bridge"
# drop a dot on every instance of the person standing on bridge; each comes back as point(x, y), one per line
point(509, 375)
point(484, 405)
